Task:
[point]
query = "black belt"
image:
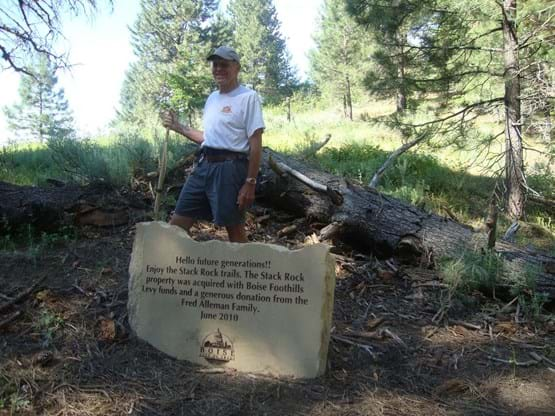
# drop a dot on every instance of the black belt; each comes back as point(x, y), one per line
point(220, 155)
point(223, 158)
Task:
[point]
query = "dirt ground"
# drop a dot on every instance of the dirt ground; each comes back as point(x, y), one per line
point(68, 350)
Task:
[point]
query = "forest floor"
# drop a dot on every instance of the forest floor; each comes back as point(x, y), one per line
point(67, 348)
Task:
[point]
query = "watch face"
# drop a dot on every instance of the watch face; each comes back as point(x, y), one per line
point(251, 180)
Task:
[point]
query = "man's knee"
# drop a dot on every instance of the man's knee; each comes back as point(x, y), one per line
point(184, 222)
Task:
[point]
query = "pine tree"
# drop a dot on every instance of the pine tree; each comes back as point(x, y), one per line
point(470, 58)
point(340, 60)
point(398, 30)
point(265, 61)
point(171, 40)
point(43, 111)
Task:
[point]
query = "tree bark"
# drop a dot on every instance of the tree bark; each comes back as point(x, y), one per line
point(401, 104)
point(385, 226)
point(514, 160)
point(49, 208)
point(348, 98)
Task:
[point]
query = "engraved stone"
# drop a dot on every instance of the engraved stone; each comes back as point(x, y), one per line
point(253, 307)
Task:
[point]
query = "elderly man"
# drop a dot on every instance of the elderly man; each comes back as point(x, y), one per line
point(222, 185)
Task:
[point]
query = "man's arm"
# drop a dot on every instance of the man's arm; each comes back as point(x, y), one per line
point(246, 193)
point(170, 121)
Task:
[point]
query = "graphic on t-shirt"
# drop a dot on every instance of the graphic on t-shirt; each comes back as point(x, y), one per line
point(227, 109)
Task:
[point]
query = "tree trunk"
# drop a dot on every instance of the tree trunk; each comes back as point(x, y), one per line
point(514, 161)
point(348, 99)
point(384, 226)
point(401, 94)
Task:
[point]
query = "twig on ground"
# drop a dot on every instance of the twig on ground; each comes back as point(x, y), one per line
point(433, 284)
point(508, 305)
point(22, 295)
point(262, 218)
point(365, 347)
point(467, 325)
point(287, 230)
point(543, 358)
point(514, 362)
point(378, 335)
point(394, 337)
point(10, 319)
point(434, 331)
point(525, 344)
point(211, 370)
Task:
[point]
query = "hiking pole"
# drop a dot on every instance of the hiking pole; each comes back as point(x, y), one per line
point(162, 166)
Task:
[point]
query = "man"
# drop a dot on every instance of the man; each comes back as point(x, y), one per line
point(222, 185)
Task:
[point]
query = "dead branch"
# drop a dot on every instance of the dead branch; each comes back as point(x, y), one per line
point(540, 200)
point(392, 157)
point(281, 169)
point(315, 148)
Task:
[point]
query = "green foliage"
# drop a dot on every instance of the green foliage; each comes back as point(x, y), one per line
point(474, 270)
point(523, 285)
point(171, 40)
point(81, 159)
point(433, 56)
point(265, 62)
point(48, 324)
point(43, 112)
point(483, 271)
point(34, 243)
point(340, 60)
point(27, 164)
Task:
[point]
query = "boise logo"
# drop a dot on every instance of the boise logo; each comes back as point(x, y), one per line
point(227, 109)
point(217, 347)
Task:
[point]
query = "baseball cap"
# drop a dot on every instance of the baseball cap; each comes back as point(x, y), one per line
point(224, 52)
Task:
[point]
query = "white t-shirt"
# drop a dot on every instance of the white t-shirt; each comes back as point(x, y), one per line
point(231, 118)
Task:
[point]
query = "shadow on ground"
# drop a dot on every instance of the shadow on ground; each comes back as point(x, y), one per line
point(70, 352)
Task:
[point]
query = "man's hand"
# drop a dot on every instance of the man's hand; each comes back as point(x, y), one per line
point(246, 196)
point(170, 121)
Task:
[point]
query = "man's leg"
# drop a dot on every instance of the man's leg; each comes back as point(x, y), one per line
point(237, 233)
point(181, 221)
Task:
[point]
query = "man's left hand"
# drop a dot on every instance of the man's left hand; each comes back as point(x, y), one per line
point(246, 196)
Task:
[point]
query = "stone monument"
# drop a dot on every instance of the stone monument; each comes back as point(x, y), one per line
point(253, 307)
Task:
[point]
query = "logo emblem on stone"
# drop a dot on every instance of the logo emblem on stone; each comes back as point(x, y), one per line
point(217, 347)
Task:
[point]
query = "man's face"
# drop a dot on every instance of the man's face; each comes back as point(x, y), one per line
point(225, 72)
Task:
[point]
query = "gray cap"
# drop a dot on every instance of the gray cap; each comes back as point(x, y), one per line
point(224, 52)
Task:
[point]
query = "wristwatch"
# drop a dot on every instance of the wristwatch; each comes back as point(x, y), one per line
point(252, 181)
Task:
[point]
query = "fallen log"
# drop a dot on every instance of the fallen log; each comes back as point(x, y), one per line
point(48, 208)
point(383, 225)
point(358, 215)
